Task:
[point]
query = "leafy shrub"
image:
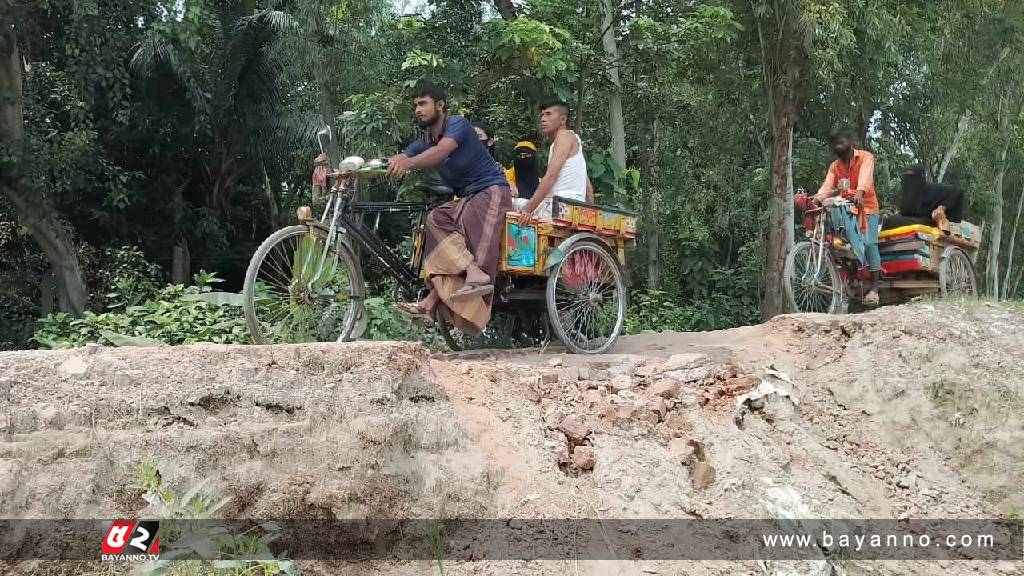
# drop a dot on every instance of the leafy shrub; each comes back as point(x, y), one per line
point(193, 534)
point(385, 323)
point(21, 265)
point(123, 278)
point(656, 310)
point(176, 315)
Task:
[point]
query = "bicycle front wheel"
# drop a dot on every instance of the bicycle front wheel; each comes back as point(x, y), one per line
point(301, 288)
point(812, 280)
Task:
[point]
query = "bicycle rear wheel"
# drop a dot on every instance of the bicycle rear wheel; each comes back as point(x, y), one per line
point(299, 288)
point(586, 299)
point(956, 274)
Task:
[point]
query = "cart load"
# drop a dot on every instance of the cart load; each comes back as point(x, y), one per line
point(604, 220)
point(919, 247)
point(527, 249)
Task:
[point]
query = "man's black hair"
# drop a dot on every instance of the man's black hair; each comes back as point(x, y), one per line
point(915, 169)
point(433, 91)
point(555, 103)
point(486, 128)
point(840, 132)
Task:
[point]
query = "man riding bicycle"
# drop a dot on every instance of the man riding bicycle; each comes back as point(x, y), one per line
point(463, 239)
point(852, 176)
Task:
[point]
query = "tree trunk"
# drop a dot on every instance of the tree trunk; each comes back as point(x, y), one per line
point(181, 263)
point(784, 76)
point(1009, 248)
point(181, 260)
point(780, 207)
point(1016, 283)
point(47, 291)
point(33, 210)
point(268, 193)
point(790, 209)
point(1003, 128)
point(961, 130)
point(616, 123)
point(324, 92)
point(651, 231)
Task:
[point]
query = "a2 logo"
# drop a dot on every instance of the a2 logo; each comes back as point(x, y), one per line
point(132, 540)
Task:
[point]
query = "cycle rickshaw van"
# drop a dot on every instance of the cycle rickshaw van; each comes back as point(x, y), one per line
point(824, 275)
point(564, 276)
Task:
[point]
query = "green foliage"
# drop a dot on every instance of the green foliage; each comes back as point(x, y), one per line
point(20, 267)
point(437, 545)
point(386, 323)
point(122, 278)
point(420, 64)
point(374, 124)
point(659, 311)
point(176, 315)
point(939, 391)
point(612, 183)
point(540, 54)
point(224, 553)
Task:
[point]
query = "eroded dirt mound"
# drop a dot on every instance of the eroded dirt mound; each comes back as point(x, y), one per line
point(354, 430)
point(906, 412)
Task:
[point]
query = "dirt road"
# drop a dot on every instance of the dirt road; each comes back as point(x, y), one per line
point(908, 412)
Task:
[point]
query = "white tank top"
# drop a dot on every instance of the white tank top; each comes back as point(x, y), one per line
point(572, 178)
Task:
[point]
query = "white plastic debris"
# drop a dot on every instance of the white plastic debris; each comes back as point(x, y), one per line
point(351, 164)
point(776, 384)
point(765, 388)
point(772, 371)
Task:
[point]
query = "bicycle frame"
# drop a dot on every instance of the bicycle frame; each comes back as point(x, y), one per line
point(822, 248)
point(336, 219)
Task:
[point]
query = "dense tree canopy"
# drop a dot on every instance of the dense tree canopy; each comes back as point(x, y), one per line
point(186, 127)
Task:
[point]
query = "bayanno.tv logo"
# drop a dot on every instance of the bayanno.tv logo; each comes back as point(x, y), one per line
point(132, 540)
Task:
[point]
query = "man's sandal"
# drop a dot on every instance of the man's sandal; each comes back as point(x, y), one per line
point(471, 290)
point(415, 312)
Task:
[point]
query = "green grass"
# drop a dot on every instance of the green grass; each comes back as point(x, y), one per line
point(939, 391)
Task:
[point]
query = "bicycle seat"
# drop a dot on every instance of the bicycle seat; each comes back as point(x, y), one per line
point(436, 189)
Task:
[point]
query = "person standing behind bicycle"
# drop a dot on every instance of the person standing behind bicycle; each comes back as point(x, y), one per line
point(852, 175)
point(463, 236)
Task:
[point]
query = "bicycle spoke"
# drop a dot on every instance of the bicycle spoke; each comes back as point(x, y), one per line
point(303, 290)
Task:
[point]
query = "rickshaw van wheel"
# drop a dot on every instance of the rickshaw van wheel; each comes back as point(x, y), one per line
point(586, 298)
point(956, 274)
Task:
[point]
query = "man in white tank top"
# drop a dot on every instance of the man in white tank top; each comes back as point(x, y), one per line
point(566, 176)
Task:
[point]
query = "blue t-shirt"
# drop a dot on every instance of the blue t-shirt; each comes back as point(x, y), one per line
point(469, 168)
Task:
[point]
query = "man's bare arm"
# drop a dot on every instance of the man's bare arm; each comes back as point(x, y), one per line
point(590, 192)
point(559, 155)
point(828, 187)
point(433, 155)
point(866, 176)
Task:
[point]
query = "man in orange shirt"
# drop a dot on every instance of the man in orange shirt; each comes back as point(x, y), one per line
point(852, 176)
